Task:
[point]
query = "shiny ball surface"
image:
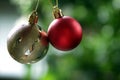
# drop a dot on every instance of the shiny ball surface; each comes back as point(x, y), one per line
point(25, 44)
point(65, 33)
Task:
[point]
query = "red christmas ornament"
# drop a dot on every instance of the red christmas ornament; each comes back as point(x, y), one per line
point(64, 33)
point(44, 38)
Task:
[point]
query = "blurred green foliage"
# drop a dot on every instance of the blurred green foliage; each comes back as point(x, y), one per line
point(98, 55)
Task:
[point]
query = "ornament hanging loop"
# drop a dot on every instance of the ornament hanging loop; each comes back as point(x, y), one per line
point(56, 3)
point(57, 13)
point(33, 19)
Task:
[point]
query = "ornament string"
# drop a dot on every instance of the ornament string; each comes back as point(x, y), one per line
point(54, 4)
point(37, 5)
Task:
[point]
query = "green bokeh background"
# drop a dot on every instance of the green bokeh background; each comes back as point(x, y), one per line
point(98, 55)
